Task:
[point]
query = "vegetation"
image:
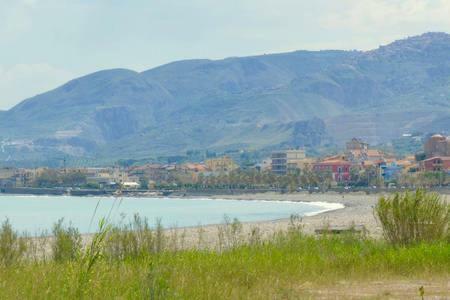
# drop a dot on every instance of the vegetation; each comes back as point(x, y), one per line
point(425, 179)
point(66, 242)
point(134, 260)
point(253, 179)
point(306, 178)
point(54, 178)
point(12, 247)
point(414, 217)
point(254, 102)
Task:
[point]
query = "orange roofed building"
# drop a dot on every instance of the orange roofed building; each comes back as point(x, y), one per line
point(221, 164)
point(337, 166)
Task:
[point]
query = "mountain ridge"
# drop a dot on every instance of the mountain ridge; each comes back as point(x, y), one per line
point(240, 102)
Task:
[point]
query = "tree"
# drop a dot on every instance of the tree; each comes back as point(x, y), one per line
point(73, 179)
point(47, 178)
point(143, 181)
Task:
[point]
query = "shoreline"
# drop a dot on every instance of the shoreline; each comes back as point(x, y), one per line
point(355, 210)
point(320, 207)
point(346, 210)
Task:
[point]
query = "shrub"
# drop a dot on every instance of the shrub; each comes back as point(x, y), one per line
point(66, 242)
point(134, 239)
point(230, 233)
point(12, 247)
point(413, 217)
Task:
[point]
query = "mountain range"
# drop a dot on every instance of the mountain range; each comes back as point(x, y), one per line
point(309, 99)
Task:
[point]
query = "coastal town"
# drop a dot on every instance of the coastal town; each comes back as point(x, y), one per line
point(357, 166)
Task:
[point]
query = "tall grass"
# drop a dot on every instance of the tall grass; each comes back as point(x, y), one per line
point(229, 234)
point(287, 265)
point(66, 242)
point(12, 247)
point(137, 261)
point(90, 256)
point(413, 217)
point(134, 239)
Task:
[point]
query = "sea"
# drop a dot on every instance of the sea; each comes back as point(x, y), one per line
point(36, 215)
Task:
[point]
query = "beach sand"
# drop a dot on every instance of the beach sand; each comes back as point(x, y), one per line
point(357, 211)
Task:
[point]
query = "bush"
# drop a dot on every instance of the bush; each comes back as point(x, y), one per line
point(66, 243)
point(12, 247)
point(413, 217)
point(134, 239)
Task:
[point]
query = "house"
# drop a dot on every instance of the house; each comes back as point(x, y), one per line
point(265, 165)
point(221, 164)
point(358, 152)
point(436, 164)
point(374, 155)
point(189, 172)
point(7, 177)
point(390, 171)
point(337, 167)
point(408, 163)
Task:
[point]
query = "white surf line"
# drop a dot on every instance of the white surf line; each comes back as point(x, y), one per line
point(327, 206)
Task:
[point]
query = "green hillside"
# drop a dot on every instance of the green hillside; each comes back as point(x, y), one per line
point(302, 98)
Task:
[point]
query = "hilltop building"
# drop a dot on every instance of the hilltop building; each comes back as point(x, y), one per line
point(437, 145)
point(356, 144)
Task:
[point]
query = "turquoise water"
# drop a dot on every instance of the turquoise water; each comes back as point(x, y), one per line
point(34, 214)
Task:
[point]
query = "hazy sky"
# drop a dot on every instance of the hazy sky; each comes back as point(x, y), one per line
point(44, 43)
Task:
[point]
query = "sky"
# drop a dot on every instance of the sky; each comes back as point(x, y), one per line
point(44, 43)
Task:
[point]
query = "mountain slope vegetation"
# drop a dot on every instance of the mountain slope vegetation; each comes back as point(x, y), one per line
point(302, 98)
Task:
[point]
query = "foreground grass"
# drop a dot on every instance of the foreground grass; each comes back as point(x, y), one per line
point(288, 266)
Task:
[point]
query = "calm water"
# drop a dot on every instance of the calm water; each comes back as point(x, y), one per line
point(36, 213)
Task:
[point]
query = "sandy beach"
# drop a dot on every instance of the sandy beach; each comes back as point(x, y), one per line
point(357, 211)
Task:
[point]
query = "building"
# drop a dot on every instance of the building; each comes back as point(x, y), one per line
point(265, 165)
point(437, 145)
point(189, 172)
point(337, 167)
point(356, 144)
point(153, 172)
point(221, 164)
point(358, 152)
point(286, 161)
point(408, 164)
point(390, 171)
point(436, 164)
point(279, 162)
point(7, 177)
point(132, 185)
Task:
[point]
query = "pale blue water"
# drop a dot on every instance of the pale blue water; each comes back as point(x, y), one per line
point(34, 214)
